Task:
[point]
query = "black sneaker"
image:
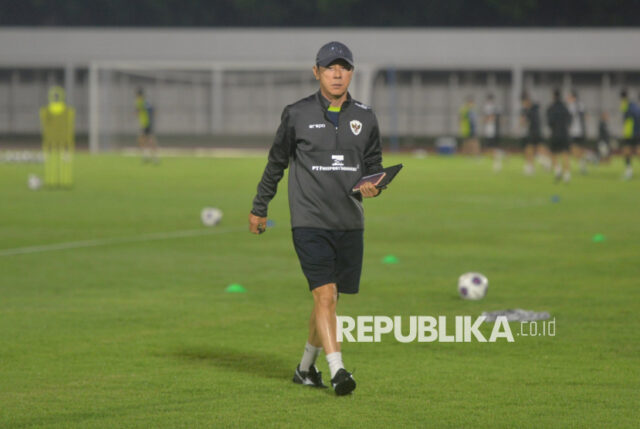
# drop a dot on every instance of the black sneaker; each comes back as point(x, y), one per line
point(312, 378)
point(343, 383)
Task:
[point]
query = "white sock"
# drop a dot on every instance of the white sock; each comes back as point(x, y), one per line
point(528, 169)
point(309, 357)
point(335, 362)
point(544, 161)
point(558, 171)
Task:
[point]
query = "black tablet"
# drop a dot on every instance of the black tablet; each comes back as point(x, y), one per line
point(380, 180)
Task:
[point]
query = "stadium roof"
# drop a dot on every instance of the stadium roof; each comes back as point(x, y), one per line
point(548, 49)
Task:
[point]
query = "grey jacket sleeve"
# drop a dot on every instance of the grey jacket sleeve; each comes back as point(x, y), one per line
point(279, 155)
point(373, 154)
point(373, 151)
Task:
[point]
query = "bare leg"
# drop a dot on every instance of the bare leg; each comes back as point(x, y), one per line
point(578, 153)
point(314, 338)
point(566, 166)
point(475, 147)
point(153, 147)
point(557, 169)
point(529, 152)
point(143, 142)
point(465, 147)
point(544, 156)
point(627, 152)
point(325, 299)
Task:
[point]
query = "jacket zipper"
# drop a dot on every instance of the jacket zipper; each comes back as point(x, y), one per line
point(336, 134)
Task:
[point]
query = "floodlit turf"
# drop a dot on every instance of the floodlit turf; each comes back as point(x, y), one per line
point(134, 328)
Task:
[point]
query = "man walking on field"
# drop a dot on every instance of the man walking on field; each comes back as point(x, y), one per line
point(559, 120)
point(329, 141)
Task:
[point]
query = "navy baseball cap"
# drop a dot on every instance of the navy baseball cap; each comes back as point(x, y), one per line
point(333, 51)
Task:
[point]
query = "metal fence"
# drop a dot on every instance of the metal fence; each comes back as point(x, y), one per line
point(197, 101)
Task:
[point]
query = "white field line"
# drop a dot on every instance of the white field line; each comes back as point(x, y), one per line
point(119, 240)
point(202, 152)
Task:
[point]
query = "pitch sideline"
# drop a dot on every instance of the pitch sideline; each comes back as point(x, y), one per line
point(109, 241)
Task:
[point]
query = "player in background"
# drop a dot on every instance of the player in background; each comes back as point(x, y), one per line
point(491, 131)
point(559, 120)
point(467, 125)
point(532, 142)
point(630, 131)
point(578, 129)
point(604, 138)
point(146, 138)
point(530, 119)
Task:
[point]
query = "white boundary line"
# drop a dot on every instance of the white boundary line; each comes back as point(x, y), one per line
point(201, 152)
point(108, 241)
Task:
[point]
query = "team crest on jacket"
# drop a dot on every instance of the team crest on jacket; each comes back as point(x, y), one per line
point(356, 127)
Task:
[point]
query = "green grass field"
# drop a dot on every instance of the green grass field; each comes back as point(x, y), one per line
point(127, 325)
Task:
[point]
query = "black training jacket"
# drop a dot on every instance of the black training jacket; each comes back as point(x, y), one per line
point(325, 162)
point(559, 120)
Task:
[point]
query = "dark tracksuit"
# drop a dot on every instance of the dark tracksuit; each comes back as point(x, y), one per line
point(324, 163)
point(559, 120)
point(534, 132)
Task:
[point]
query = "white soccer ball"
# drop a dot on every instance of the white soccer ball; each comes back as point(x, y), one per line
point(211, 216)
point(34, 182)
point(473, 286)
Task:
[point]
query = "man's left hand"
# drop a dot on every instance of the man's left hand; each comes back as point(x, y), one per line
point(369, 190)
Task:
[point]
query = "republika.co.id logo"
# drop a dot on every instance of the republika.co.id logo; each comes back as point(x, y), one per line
point(425, 329)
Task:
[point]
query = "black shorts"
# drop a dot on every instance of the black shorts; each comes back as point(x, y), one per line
point(491, 142)
point(530, 139)
point(147, 131)
point(633, 142)
point(558, 145)
point(330, 257)
point(580, 141)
